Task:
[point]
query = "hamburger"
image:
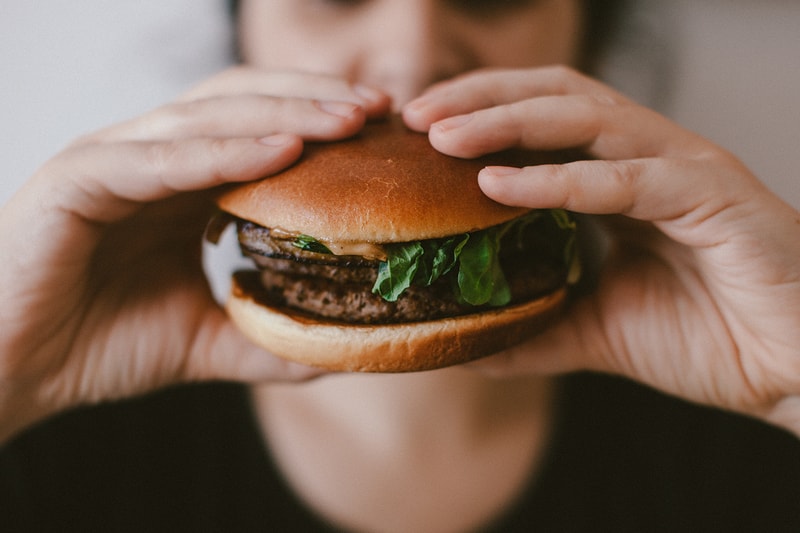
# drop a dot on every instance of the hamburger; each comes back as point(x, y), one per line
point(380, 254)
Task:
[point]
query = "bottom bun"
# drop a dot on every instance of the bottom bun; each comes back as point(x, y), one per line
point(405, 347)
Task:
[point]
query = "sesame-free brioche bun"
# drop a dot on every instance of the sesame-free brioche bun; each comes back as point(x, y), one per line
point(387, 184)
point(384, 186)
point(403, 347)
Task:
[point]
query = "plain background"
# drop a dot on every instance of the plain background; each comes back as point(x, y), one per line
point(729, 69)
point(738, 73)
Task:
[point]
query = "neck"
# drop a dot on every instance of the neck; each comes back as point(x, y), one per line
point(398, 433)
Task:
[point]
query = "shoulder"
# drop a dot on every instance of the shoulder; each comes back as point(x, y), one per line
point(159, 459)
point(629, 456)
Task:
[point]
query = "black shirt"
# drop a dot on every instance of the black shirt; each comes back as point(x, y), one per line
point(623, 458)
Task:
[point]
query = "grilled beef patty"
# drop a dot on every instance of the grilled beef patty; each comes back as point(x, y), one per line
point(340, 287)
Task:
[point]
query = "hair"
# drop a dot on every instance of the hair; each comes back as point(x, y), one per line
point(602, 20)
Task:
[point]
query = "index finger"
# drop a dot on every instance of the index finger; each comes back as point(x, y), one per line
point(487, 88)
point(686, 207)
point(602, 128)
point(243, 80)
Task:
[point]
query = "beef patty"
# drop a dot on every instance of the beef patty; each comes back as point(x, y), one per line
point(340, 287)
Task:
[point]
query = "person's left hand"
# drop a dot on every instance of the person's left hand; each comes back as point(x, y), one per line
point(700, 294)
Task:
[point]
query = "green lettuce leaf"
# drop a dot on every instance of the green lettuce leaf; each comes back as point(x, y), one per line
point(398, 271)
point(439, 258)
point(472, 259)
point(480, 277)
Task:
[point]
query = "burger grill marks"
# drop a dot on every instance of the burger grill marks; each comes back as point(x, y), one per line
point(422, 280)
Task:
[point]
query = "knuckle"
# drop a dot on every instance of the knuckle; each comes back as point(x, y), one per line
point(213, 84)
point(171, 162)
point(624, 176)
point(172, 116)
point(623, 173)
point(605, 100)
point(160, 157)
point(562, 179)
point(562, 76)
point(562, 71)
point(84, 140)
point(180, 119)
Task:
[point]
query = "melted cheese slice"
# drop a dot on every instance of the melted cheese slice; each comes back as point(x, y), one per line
point(368, 250)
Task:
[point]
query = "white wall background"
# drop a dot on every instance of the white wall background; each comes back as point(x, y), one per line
point(72, 66)
point(738, 73)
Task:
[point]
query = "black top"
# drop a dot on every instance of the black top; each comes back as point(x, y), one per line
point(624, 458)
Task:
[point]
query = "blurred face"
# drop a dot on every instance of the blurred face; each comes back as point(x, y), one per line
point(403, 46)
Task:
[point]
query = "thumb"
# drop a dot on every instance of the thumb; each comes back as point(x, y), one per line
point(106, 182)
point(575, 342)
point(221, 352)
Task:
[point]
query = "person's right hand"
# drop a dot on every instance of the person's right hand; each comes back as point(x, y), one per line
point(101, 280)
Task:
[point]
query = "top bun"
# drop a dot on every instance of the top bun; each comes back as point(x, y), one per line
point(387, 184)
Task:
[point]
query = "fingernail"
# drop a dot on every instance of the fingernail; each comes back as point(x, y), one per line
point(339, 109)
point(278, 139)
point(414, 105)
point(502, 171)
point(368, 93)
point(453, 122)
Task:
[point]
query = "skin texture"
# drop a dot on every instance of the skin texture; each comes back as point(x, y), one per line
point(100, 301)
point(699, 295)
point(403, 46)
point(85, 319)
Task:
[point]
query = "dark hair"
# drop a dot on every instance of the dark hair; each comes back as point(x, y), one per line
point(601, 18)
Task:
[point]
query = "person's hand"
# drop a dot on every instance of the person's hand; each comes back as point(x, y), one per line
point(700, 295)
point(102, 290)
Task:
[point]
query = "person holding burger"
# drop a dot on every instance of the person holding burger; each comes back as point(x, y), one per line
point(697, 296)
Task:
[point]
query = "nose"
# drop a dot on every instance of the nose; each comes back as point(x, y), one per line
point(412, 45)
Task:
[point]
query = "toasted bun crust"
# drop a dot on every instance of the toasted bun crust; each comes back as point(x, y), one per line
point(387, 184)
point(386, 348)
